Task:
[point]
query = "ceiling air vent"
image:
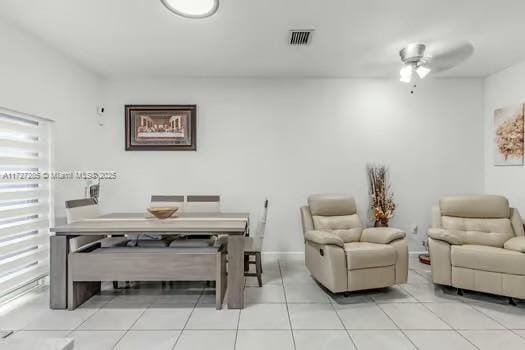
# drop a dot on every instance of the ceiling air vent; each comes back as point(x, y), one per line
point(300, 37)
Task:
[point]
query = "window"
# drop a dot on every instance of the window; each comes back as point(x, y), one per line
point(25, 200)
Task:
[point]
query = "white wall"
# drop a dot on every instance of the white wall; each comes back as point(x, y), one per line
point(36, 79)
point(286, 139)
point(503, 89)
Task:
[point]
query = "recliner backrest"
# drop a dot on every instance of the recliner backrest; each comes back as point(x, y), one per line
point(481, 219)
point(331, 205)
point(334, 213)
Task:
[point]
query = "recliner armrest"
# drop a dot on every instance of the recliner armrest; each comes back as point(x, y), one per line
point(450, 237)
point(516, 243)
point(323, 237)
point(381, 235)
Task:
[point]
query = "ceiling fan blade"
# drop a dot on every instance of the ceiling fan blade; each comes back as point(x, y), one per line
point(445, 58)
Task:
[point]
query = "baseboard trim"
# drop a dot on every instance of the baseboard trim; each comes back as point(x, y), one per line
point(418, 252)
point(283, 253)
point(302, 253)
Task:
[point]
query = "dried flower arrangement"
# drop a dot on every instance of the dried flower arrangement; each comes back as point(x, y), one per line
point(509, 137)
point(382, 204)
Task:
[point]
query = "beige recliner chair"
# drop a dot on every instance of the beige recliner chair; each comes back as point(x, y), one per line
point(478, 243)
point(342, 255)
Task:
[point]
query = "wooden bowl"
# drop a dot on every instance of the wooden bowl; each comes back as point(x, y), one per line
point(163, 213)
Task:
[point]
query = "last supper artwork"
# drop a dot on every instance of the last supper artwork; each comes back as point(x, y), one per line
point(161, 127)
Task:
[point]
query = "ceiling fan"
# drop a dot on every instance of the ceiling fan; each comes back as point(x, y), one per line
point(421, 59)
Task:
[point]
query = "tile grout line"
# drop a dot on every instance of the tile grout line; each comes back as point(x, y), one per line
point(119, 339)
point(239, 319)
point(419, 274)
point(442, 320)
point(238, 323)
point(474, 304)
point(395, 324)
point(286, 304)
point(90, 316)
point(490, 317)
point(519, 335)
point(454, 329)
point(476, 310)
point(131, 326)
point(468, 340)
point(417, 301)
point(282, 270)
point(188, 319)
point(344, 326)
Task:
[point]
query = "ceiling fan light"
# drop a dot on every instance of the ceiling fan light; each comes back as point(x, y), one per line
point(405, 74)
point(192, 8)
point(423, 71)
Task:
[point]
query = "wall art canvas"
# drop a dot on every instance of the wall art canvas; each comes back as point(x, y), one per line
point(161, 127)
point(509, 135)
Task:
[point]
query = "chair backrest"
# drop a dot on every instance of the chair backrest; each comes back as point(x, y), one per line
point(79, 209)
point(160, 201)
point(203, 203)
point(333, 212)
point(482, 219)
point(261, 225)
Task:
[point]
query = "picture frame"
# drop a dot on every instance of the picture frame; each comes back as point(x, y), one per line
point(161, 127)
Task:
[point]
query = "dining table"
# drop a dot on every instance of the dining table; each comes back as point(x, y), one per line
point(234, 225)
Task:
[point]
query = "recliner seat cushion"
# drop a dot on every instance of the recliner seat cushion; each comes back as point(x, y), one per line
point(491, 259)
point(336, 222)
point(363, 255)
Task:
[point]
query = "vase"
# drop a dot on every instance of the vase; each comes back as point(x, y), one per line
point(381, 223)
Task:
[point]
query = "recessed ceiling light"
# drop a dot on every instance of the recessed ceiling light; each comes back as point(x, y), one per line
point(192, 8)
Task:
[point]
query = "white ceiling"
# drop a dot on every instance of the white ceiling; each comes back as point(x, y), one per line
point(248, 38)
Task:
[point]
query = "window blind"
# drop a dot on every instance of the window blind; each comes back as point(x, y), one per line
point(25, 201)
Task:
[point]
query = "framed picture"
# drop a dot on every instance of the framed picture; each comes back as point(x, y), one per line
point(509, 135)
point(161, 127)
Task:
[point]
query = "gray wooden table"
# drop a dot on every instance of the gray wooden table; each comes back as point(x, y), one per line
point(235, 225)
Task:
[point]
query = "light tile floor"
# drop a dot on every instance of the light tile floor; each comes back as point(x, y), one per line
point(290, 311)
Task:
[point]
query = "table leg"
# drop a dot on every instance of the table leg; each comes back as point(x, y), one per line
point(235, 272)
point(58, 255)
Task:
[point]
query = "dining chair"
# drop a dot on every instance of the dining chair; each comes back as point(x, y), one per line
point(155, 241)
point(80, 209)
point(253, 247)
point(198, 204)
point(87, 208)
point(202, 203)
point(159, 201)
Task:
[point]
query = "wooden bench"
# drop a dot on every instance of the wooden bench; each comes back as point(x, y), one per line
point(90, 264)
